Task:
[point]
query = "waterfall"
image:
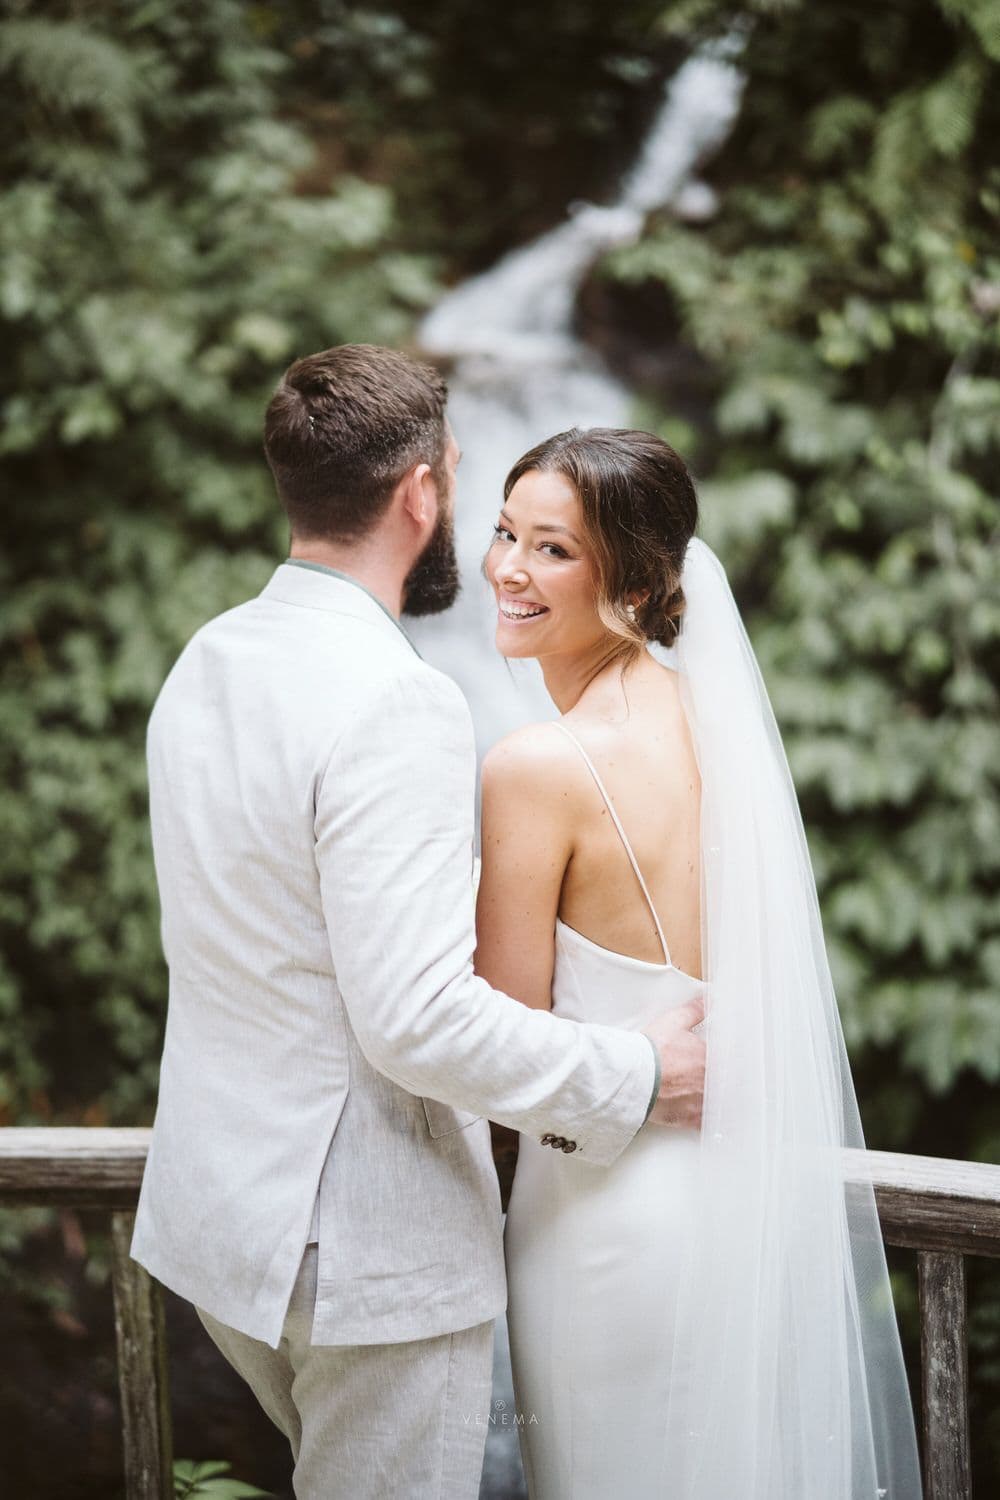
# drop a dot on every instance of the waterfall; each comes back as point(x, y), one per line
point(519, 374)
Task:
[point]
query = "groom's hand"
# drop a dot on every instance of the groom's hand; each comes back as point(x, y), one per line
point(682, 1061)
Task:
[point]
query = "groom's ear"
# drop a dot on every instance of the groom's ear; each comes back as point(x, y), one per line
point(420, 496)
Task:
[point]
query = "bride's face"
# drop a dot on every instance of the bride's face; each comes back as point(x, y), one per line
point(542, 571)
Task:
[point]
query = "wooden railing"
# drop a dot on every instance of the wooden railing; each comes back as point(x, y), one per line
point(945, 1210)
point(94, 1168)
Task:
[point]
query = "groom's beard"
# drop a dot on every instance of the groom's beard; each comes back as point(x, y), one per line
point(433, 583)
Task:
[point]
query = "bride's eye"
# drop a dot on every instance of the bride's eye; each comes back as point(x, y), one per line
point(501, 534)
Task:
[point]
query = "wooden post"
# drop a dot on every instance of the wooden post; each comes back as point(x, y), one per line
point(945, 1375)
point(142, 1371)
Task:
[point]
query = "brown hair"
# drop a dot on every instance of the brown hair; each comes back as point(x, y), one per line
point(343, 428)
point(640, 511)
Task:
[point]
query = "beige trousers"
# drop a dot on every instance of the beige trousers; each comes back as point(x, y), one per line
point(370, 1421)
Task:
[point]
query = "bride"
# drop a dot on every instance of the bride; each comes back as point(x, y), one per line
point(710, 1317)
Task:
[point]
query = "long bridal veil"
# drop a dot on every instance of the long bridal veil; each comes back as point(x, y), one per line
point(787, 1379)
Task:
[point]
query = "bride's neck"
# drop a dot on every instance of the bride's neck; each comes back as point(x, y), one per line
point(569, 675)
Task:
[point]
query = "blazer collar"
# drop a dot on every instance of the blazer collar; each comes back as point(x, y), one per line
point(315, 587)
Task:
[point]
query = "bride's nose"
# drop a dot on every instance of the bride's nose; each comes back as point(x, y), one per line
point(510, 571)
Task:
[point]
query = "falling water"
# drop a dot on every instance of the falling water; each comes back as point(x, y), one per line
point(519, 375)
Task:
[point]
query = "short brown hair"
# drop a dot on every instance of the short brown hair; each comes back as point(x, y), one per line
point(343, 428)
point(640, 510)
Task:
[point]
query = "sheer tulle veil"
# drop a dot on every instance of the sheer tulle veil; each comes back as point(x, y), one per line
point(787, 1375)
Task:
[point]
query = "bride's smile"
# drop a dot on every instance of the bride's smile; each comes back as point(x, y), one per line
point(515, 609)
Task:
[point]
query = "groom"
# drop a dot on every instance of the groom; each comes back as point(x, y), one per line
point(320, 1181)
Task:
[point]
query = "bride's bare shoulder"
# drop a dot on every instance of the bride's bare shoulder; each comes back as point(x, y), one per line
point(537, 758)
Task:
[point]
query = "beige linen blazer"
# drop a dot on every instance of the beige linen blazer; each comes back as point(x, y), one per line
point(311, 795)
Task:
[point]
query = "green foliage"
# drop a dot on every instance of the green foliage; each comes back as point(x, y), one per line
point(193, 1479)
point(168, 241)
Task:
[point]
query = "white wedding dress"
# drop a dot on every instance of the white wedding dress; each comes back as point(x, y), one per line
point(594, 1256)
point(711, 1317)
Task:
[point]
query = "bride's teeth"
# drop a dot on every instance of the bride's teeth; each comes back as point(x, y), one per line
point(519, 611)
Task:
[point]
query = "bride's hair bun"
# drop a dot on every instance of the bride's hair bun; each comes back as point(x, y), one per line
point(659, 619)
point(640, 510)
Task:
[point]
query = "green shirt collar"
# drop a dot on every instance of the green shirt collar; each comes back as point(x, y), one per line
point(302, 562)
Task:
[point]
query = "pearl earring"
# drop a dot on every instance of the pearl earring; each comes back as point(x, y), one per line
point(630, 611)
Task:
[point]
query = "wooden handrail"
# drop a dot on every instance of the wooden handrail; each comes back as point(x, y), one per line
point(943, 1209)
point(72, 1165)
point(922, 1199)
point(931, 1202)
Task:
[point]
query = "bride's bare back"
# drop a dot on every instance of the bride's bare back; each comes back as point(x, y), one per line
point(635, 732)
point(550, 847)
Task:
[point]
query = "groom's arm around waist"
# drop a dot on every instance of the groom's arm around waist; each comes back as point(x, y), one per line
point(394, 830)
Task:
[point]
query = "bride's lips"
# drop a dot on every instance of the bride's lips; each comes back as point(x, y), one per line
point(519, 611)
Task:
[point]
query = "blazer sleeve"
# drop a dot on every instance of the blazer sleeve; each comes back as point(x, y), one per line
point(394, 848)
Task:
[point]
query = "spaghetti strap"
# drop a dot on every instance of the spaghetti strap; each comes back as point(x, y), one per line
point(622, 835)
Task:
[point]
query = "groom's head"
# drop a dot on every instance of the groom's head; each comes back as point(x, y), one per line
point(354, 434)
